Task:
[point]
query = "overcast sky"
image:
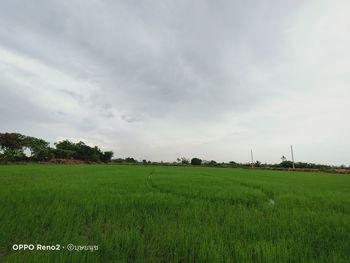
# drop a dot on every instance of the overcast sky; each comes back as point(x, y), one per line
point(162, 79)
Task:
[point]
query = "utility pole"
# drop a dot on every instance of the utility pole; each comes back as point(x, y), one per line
point(291, 150)
point(251, 156)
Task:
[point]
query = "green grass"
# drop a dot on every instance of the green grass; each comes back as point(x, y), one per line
point(174, 214)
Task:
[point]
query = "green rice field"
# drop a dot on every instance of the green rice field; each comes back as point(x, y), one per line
point(136, 213)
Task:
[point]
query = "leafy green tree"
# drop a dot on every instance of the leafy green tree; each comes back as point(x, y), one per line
point(39, 149)
point(12, 141)
point(66, 145)
point(81, 151)
point(62, 154)
point(233, 164)
point(196, 161)
point(87, 153)
point(130, 160)
point(183, 160)
point(107, 156)
point(212, 162)
point(11, 146)
point(12, 155)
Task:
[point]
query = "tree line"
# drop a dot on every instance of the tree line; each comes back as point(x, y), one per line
point(16, 147)
point(284, 164)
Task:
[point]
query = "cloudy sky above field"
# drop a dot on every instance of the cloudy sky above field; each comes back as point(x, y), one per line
point(163, 79)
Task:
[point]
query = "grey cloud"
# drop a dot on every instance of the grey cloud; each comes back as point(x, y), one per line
point(72, 94)
point(187, 65)
point(130, 119)
point(155, 55)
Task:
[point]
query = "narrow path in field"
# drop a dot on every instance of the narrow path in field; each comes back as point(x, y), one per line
point(268, 194)
point(150, 183)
